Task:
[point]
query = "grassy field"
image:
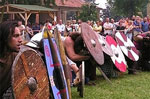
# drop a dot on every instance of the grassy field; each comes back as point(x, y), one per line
point(124, 87)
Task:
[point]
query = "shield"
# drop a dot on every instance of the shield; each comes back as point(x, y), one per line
point(81, 85)
point(105, 46)
point(29, 76)
point(118, 57)
point(127, 46)
point(54, 67)
point(91, 41)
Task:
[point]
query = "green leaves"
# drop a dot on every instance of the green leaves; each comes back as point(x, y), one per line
point(88, 12)
point(128, 7)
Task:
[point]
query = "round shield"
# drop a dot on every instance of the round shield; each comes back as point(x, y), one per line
point(81, 85)
point(118, 57)
point(91, 41)
point(127, 46)
point(29, 76)
point(105, 46)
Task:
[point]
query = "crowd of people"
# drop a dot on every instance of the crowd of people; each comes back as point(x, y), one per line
point(13, 34)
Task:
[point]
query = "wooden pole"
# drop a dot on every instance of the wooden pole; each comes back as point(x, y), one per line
point(63, 58)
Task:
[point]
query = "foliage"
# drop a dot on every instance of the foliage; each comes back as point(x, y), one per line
point(124, 87)
point(127, 7)
point(88, 12)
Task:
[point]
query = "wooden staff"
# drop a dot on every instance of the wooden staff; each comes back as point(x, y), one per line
point(63, 58)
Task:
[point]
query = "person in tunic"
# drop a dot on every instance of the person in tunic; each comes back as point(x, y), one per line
point(142, 42)
point(10, 44)
point(75, 50)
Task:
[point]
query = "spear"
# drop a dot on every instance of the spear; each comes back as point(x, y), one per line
point(63, 58)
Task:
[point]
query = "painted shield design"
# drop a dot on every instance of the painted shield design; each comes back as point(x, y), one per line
point(105, 46)
point(127, 46)
point(91, 41)
point(29, 76)
point(118, 57)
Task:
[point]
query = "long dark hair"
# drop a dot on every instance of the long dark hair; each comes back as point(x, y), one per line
point(74, 36)
point(7, 29)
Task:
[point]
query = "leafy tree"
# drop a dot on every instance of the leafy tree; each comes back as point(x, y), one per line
point(127, 7)
point(88, 12)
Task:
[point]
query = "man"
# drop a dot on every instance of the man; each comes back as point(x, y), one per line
point(61, 27)
point(145, 25)
point(75, 26)
point(36, 43)
point(142, 42)
point(98, 27)
point(108, 27)
point(22, 29)
point(69, 44)
point(21, 26)
point(137, 26)
point(10, 42)
point(76, 51)
point(36, 28)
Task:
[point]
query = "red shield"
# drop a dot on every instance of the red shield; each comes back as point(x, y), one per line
point(127, 46)
point(118, 57)
point(91, 40)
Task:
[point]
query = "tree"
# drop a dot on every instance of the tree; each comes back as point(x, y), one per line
point(127, 7)
point(88, 12)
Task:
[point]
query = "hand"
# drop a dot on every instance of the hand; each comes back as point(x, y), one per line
point(87, 57)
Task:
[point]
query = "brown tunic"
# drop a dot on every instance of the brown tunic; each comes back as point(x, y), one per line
point(5, 72)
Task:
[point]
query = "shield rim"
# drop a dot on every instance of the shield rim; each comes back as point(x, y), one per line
point(110, 52)
point(117, 46)
point(125, 47)
point(102, 55)
point(15, 62)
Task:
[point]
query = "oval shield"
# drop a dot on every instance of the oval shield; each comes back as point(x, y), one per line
point(105, 46)
point(118, 57)
point(127, 46)
point(92, 43)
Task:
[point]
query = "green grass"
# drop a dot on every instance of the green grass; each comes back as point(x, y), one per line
point(124, 87)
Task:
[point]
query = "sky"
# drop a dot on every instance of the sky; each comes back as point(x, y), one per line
point(101, 3)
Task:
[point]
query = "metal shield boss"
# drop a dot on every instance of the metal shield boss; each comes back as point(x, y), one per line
point(118, 57)
point(105, 46)
point(127, 46)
